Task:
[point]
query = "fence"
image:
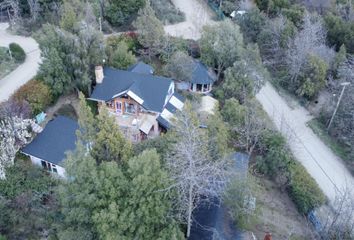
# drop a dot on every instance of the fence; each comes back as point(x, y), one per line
point(214, 6)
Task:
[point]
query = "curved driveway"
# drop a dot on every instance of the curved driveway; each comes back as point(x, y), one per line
point(26, 71)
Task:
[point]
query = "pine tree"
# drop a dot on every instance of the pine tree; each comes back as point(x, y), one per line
point(110, 144)
point(150, 29)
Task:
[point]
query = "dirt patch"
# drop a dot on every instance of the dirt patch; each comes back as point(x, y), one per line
point(67, 105)
point(277, 214)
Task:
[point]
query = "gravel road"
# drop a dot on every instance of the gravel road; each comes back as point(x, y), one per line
point(25, 71)
point(198, 14)
point(323, 165)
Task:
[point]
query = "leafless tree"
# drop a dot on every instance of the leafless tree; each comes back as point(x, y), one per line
point(13, 6)
point(339, 220)
point(34, 7)
point(252, 127)
point(310, 40)
point(195, 176)
point(272, 49)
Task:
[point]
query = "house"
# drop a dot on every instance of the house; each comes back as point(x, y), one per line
point(49, 147)
point(201, 81)
point(142, 103)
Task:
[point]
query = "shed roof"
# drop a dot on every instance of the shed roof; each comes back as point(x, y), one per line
point(58, 137)
point(202, 75)
point(142, 68)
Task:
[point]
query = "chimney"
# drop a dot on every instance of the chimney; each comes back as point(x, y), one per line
point(99, 74)
point(268, 236)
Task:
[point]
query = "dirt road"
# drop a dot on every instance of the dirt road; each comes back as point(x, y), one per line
point(198, 14)
point(323, 165)
point(25, 71)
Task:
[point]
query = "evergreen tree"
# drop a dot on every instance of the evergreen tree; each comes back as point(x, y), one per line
point(110, 144)
point(78, 197)
point(150, 30)
point(121, 57)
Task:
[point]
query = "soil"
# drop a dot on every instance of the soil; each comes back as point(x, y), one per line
point(277, 214)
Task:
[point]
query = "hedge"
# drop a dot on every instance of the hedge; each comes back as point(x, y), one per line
point(278, 159)
point(17, 52)
point(303, 189)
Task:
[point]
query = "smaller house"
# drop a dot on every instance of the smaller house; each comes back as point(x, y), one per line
point(142, 68)
point(49, 147)
point(202, 79)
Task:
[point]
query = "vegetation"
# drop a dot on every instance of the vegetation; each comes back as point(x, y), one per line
point(26, 201)
point(121, 57)
point(17, 52)
point(7, 64)
point(36, 93)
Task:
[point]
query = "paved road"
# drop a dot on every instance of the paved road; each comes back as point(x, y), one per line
point(323, 165)
point(25, 71)
point(198, 14)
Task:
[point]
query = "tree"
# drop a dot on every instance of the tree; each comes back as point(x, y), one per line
point(17, 52)
point(78, 196)
point(121, 57)
point(15, 132)
point(218, 136)
point(251, 24)
point(68, 58)
point(245, 78)
point(273, 41)
point(150, 30)
point(313, 78)
point(36, 93)
point(118, 12)
point(109, 143)
point(180, 66)
point(27, 202)
point(137, 207)
point(193, 173)
point(221, 45)
point(310, 40)
point(246, 122)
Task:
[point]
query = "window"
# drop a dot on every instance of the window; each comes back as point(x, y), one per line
point(49, 166)
point(206, 88)
point(110, 104)
point(44, 164)
point(130, 108)
point(54, 168)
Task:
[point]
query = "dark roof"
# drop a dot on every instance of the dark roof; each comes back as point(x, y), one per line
point(152, 89)
point(202, 75)
point(179, 96)
point(141, 68)
point(163, 122)
point(211, 221)
point(58, 137)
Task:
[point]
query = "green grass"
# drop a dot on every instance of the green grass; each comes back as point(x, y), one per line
point(7, 67)
point(339, 149)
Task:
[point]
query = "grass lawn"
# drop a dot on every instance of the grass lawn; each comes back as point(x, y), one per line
point(339, 149)
point(7, 67)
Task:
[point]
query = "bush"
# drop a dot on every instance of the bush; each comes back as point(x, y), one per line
point(121, 57)
point(279, 163)
point(17, 52)
point(36, 93)
point(303, 189)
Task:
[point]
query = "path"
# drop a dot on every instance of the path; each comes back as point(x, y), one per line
point(26, 71)
point(322, 164)
point(198, 14)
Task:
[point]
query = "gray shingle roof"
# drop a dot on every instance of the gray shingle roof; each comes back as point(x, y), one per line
point(202, 75)
point(141, 68)
point(58, 137)
point(152, 89)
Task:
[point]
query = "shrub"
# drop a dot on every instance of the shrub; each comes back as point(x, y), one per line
point(17, 52)
point(279, 163)
point(4, 55)
point(303, 189)
point(121, 57)
point(36, 93)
